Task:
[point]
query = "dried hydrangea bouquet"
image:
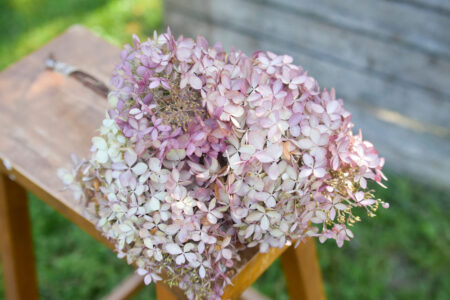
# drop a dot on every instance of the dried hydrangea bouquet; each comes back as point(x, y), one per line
point(204, 153)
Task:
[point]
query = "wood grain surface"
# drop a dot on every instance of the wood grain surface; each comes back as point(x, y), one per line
point(302, 272)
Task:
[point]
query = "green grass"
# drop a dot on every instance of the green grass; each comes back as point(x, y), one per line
point(404, 253)
point(28, 24)
point(70, 263)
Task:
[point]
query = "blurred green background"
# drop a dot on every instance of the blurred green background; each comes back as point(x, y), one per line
point(404, 253)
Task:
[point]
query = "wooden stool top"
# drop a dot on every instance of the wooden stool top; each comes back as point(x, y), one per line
point(45, 117)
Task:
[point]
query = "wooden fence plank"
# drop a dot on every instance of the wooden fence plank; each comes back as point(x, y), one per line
point(410, 25)
point(357, 51)
point(440, 6)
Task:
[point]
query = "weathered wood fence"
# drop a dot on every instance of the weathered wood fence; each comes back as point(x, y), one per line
point(389, 59)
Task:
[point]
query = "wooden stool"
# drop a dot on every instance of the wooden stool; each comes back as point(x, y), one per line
point(44, 118)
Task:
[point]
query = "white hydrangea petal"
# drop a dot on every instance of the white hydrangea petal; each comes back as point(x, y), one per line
point(148, 243)
point(173, 249)
point(99, 143)
point(320, 172)
point(155, 164)
point(265, 223)
point(141, 272)
point(176, 154)
point(154, 204)
point(248, 149)
point(180, 259)
point(308, 160)
point(305, 173)
point(139, 168)
point(305, 143)
point(148, 279)
point(226, 253)
point(130, 157)
point(254, 216)
point(101, 156)
point(125, 227)
point(172, 229)
point(190, 257)
point(202, 272)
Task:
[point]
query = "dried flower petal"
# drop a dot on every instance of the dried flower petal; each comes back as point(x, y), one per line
point(201, 150)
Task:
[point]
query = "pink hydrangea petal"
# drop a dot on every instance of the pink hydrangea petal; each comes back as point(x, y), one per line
point(308, 160)
point(320, 172)
point(195, 82)
point(273, 171)
point(305, 143)
point(305, 173)
point(130, 157)
point(183, 53)
point(234, 110)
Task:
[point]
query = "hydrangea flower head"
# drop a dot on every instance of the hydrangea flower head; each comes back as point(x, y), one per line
point(204, 153)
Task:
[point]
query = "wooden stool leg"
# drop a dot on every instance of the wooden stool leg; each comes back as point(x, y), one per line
point(16, 242)
point(302, 272)
point(164, 293)
point(127, 289)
